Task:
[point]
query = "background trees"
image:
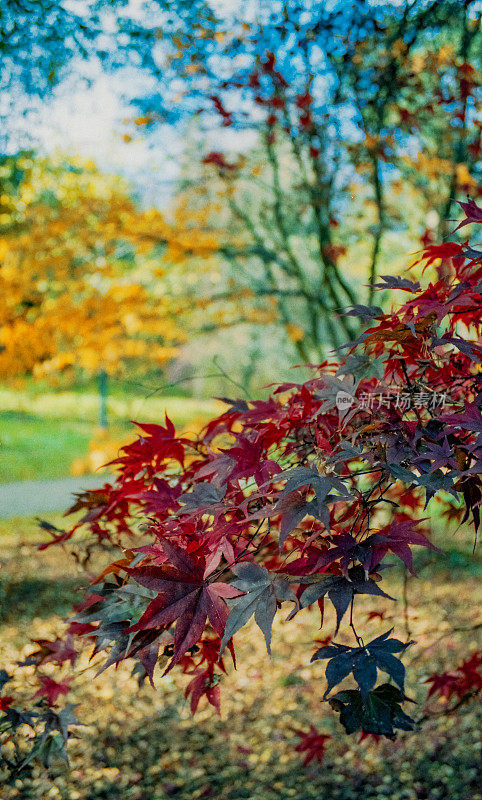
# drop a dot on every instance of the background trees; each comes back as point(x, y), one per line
point(324, 144)
point(76, 289)
point(38, 40)
point(349, 134)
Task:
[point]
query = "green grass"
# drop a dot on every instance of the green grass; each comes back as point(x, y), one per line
point(85, 406)
point(33, 448)
point(20, 532)
point(41, 434)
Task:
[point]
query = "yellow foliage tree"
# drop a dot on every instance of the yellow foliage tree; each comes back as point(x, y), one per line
point(79, 284)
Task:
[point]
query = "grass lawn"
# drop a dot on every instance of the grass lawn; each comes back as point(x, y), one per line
point(141, 744)
point(34, 447)
point(39, 447)
point(41, 434)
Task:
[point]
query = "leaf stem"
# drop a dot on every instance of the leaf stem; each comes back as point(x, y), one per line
point(359, 640)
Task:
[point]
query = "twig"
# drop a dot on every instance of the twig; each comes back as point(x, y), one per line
point(359, 640)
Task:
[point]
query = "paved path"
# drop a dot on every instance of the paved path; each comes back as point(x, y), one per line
point(25, 498)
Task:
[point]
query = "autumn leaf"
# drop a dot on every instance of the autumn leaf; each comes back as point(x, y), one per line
point(473, 213)
point(52, 689)
point(183, 597)
point(341, 591)
point(397, 537)
point(262, 592)
point(203, 684)
point(312, 743)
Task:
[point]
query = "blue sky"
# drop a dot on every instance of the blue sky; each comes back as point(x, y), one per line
point(87, 116)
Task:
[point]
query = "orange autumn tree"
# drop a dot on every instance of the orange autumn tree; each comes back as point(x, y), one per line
point(83, 285)
point(77, 284)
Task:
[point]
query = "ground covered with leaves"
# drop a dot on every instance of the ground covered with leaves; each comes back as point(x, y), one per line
point(143, 744)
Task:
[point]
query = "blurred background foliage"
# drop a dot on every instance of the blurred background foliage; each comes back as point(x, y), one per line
point(319, 145)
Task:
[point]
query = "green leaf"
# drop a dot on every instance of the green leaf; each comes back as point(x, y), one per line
point(365, 673)
point(379, 713)
point(392, 666)
point(336, 670)
point(401, 473)
point(203, 495)
point(262, 591)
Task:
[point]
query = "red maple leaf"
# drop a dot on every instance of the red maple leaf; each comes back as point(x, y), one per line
point(473, 213)
point(470, 420)
point(304, 100)
point(56, 651)
point(52, 689)
point(5, 702)
point(268, 65)
point(184, 596)
point(397, 537)
point(471, 675)
point(79, 628)
point(408, 498)
point(248, 460)
point(218, 160)
point(375, 615)
point(202, 684)
point(443, 684)
point(374, 737)
point(436, 251)
point(155, 448)
point(226, 115)
point(312, 743)
point(467, 679)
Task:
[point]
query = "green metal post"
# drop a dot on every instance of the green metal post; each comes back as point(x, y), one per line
point(103, 389)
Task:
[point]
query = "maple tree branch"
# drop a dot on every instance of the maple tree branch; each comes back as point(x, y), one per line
point(359, 640)
point(224, 374)
point(405, 604)
point(447, 711)
point(284, 235)
point(456, 629)
point(380, 227)
point(312, 193)
point(268, 258)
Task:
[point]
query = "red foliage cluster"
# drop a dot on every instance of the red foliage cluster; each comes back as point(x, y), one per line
point(297, 499)
point(270, 90)
point(465, 681)
point(313, 744)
